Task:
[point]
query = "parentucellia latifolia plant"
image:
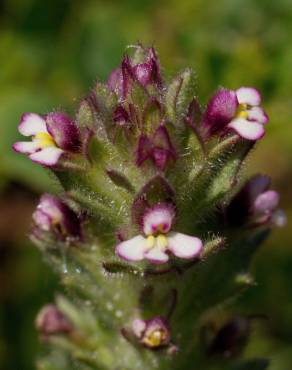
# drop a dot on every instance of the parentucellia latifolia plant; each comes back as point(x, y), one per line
point(153, 231)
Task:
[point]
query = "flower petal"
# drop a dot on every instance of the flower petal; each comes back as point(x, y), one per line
point(248, 95)
point(47, 157)
point(267, 201)
point(158, 218)
point(184, 246)
point(156, 255)
point(64, 131)
point(258, 114)
point(27, 147)
point(132, 249)
point(249, 130)
point(220, 111)
point(139, 327)
point(31, 124)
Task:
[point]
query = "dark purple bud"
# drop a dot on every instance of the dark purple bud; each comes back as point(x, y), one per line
point(153, 334)
point(158, 148)
point(231, 338)
point(64, 131)
point(51, 321)
point(121, 116)
point(220, 110)
point(53, 215)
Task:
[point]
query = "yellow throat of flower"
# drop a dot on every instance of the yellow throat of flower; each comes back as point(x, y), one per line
point(44, 139)
point(242, 111)
point(160, 241)
point(155, 338)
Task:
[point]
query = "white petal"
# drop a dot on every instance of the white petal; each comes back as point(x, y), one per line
point(184, 246)
point(27, 147)
point(31, 124)
point(248, 95)
point(138, 327)
point(155, 255)
point(47, 156)
point(257, 114)
point(249, 130)
point(132, 249)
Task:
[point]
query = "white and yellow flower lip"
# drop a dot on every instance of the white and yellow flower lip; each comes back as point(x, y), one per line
point(52, 136)
point(158, 241)
point(153, 333)
point(238, 110)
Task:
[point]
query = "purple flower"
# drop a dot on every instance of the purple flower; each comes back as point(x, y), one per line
point(52, 136)
point(158, 239)
point(152, 333)
point(238, 110)
point(53, 215)
point(256, 202)
point(157, 148)
point(51, 321)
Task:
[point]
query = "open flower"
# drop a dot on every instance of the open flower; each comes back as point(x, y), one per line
point(53, 215)
point(256, 202)
point(152, 333)
point(157, 148)
point(237, 110)
point(158, 239)
point(52, 136)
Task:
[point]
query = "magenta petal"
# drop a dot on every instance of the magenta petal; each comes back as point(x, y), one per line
point(249, 130)
point(47, 157)
point(248, 95)
point(184, 246)
point(132, 249)
point(31, 124)
point(220, 111)
point(64, 131)
point(155, 255)
point(267, 201)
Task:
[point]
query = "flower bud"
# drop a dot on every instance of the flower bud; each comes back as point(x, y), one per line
point(53, 215)
point(51, 321)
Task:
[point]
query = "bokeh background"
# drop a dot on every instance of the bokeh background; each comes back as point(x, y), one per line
point(51, 52)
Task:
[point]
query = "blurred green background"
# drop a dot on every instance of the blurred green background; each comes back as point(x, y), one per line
point(51, 52)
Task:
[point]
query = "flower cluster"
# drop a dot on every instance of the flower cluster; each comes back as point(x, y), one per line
point(144, 176)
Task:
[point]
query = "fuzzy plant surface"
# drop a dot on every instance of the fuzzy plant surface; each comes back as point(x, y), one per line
point(154, 229)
